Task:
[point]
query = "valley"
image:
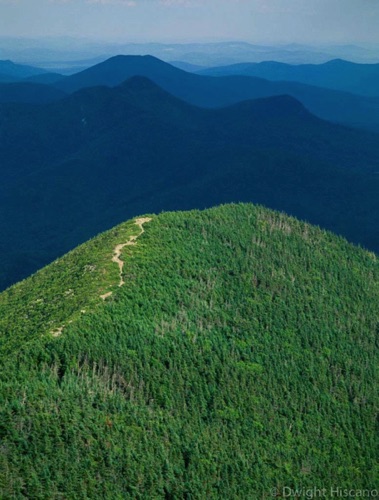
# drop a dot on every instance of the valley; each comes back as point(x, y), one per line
point(75, 167)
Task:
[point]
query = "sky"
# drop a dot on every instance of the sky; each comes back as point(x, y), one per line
point(268, 21)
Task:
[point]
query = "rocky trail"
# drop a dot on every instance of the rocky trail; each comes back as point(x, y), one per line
point(118, 249)
point(117, 260)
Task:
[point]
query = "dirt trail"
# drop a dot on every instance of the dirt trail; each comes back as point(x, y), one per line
point(118, 249)
point(132, 241)
point(116, 258)
point(57, 331)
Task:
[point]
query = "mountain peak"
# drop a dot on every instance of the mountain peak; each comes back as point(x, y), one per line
point(124, 57)
point(117, 69)
point(126, 60)
point(123, 364)
point(138, 82)
point(339, 62)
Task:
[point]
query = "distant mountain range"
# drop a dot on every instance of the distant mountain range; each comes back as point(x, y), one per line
point(77, 166)
point(206, 91)
point(56, 52)
point(337, 74)
point(9, 69)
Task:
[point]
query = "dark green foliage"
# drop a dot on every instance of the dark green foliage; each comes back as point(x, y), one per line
point(239, 356)
point(60, 293)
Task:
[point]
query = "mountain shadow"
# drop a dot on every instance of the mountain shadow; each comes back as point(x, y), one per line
point(78, 166)
point(27, 92)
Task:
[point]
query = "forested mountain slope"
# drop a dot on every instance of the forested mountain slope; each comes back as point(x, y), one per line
point(76, 167)
point(237, 357)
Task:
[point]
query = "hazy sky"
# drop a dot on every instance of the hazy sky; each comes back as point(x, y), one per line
point(192, 20)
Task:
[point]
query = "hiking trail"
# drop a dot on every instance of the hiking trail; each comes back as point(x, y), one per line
point(118, 249)
point(116, 259)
